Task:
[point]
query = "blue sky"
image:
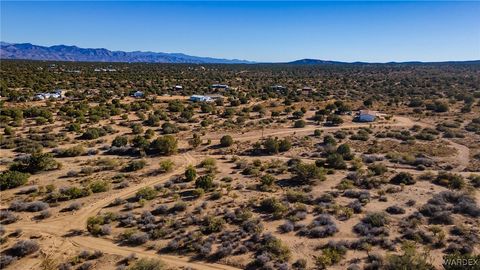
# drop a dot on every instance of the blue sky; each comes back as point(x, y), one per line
point(259, 31)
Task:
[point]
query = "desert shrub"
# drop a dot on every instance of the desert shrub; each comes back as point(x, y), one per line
point(93, 133)
point(321, 227)
point(395, 210)
point(36, 163)
point(271, 145)
point(73, 151)
point(23, 248)
point(146, 193)
point(450, 180)
point(99, 186)
point(212, 225)
point(190, 173)
point(133, 238)
point(410, 259)
point(299, 124)
point(6, 260)
point(403, 178)
point(12, 179)
point(74, 206)
point(267, 180)
point(165, 145)
point(120, 141)
point(7, 217)
point(286, 227)
point(135, 165)
point(331, 254)
point(336, 161)
point(475, 180)
point(378, 169)
point(147, 264)
point(34, 206)
point(204, 182)
point(275, 248)
point(226, 141)
point(166, 165)
point(274, 206)
point(69, 193)
point(372, 225)
point(284, 145)
point(306, 173)
point(44, 214)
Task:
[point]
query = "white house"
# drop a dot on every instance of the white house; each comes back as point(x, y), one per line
point(200, 98)
point(138, 94)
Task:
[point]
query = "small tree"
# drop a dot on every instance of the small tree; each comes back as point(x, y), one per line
point(226, 141)
point(165, 145)
point(190, 173)
point(120, 141)
point(12, 179)
point(204, 182)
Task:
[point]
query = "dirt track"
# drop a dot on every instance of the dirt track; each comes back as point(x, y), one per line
point(60, 226)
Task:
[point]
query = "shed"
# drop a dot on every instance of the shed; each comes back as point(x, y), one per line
point(366, 116)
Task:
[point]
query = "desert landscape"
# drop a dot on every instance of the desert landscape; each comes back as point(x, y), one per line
point(187, 166)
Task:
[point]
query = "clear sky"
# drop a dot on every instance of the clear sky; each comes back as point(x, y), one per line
point(259, 31)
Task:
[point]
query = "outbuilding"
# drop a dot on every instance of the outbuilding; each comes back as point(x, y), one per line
point(366, 116)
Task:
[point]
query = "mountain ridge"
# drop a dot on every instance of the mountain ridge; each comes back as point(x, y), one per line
point(28, 51)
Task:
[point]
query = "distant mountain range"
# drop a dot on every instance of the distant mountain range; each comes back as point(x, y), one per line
point(28, 51)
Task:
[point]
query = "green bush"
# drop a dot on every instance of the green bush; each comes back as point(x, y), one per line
point(226, 141)
point(147, 264)
point(73, 151)
point(12, 179)
point(166, 165)
point(307, 173)
point(99, 186)
point(120, 141)
point(450, 180)
point(93, 133)
point(330, 256)
point(403, 178)
point(299, 124)
point(146, 193)
point(212, 225)
point(274, 206)
point(204, 182)
point(36, 162)
point(190, 173)
point(135, 165)
point(166, 145)
point(410, 259)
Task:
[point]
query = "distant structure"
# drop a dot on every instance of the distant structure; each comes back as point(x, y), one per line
point(219, 86)
point(278, 88)
point(178, 88)
point(56, 94)
point(205, 98)
point(306, 90)
point(138, 94)
point(200, 98)
point(105, 70)
point(365, 116)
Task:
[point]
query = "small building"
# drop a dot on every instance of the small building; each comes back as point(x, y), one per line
point(306, 91)
point(278, 88)
point(138, 94)
point(365, 116)
point(178, 87)
point(56, 94)
point(219, 86)
point(200, 98)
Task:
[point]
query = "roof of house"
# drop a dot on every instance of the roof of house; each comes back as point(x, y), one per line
point(367, 112)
